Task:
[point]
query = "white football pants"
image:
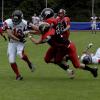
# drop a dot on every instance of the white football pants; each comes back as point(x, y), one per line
point(13, 50)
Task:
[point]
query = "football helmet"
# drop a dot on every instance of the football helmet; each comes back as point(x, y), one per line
point(44, 27)
point(86, 59)
point(17, 16)
point(47, 13)
point(62, 11)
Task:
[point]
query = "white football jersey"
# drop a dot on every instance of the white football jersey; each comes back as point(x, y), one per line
point(20, 28)
point(96, 57)
point(94, 19)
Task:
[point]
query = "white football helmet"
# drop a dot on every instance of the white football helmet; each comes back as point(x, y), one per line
point(86, 59)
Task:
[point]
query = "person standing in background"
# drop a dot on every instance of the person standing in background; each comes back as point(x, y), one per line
point(35, 19)
point(93, 24)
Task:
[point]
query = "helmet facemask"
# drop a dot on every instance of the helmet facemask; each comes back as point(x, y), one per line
point(47, 13)
point(61, 12)
point(44, 27)
point(17, 17)
point(86, 59)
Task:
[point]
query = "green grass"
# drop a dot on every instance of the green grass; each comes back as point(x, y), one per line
point(48, 82)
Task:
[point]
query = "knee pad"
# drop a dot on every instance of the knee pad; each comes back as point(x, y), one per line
point(20, 54)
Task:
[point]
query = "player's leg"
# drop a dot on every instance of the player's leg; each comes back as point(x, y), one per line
point(49, 56)
point(62, 63)
point(75, 61)
point(29, 63)
point(56, 57)
point(24, 57)
point(92, 28)
point(66, 67)
point(95, 28)
point(52, 56)
point(11, 56)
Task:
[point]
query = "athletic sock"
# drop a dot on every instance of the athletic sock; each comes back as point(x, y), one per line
point(88, 68)
point(25, 58)
point(99, 61)
point(64, 67)
point(15, 68)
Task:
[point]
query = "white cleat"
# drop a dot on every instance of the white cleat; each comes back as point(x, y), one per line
point(71, 73)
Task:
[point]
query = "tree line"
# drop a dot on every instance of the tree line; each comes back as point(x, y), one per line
point(77, 10)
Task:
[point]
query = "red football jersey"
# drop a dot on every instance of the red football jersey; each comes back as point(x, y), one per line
point(0, 29)
point(52, 21)
point(64, 23)
point(51, 37)
point(65, 19)
point(48, 34)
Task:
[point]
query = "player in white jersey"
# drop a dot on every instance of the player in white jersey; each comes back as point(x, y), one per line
point(35, 20)
point(16, 27)
point(93, 24)
point(90, 58)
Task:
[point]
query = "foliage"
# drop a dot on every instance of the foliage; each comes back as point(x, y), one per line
point(78, 10)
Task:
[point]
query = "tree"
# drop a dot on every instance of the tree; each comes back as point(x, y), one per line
point(78, 10)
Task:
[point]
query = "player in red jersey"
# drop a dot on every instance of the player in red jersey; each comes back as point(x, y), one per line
point(53, 55)
point(63, 24)
point(60, 47)
point(0, 30)
point(1, 33)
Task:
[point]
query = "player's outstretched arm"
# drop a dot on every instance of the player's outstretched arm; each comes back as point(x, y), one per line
point(34, 29)
point(35, 40)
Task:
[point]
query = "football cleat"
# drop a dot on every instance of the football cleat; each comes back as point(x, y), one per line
point(32, 67)
point(71, 73)
point(95, 72)
point(19, 77)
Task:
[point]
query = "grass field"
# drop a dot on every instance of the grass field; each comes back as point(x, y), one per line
point(48, 82)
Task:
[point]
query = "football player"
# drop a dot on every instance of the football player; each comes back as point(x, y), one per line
point(53, 55)
point(1, 33)
point(35, 20)
point(16, 27)
point(90, 58)
point(60, 46)
point(93, 24)
point(64, 24)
